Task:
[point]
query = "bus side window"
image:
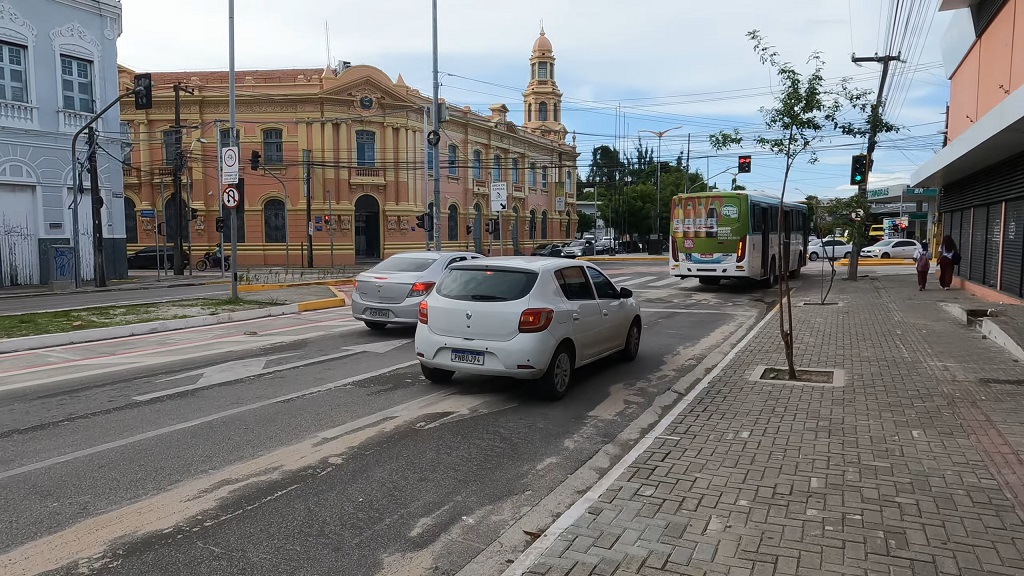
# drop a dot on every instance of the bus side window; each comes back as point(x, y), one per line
point(758, 218)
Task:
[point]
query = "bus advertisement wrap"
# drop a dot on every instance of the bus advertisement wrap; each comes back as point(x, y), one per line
point(708, 227)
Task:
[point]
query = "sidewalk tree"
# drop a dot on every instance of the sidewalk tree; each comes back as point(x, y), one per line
point(806, 111)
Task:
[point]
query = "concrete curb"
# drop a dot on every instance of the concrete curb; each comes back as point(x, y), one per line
point(263, 287)
point(879, 262)
point(624, 258)
point(112, 333)
point(994, 333)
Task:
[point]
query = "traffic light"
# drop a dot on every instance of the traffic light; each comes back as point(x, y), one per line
point(489, 226)
point(254, 160)
point(327, 219)
point(430, 222)
point(143, 91)
point(859, 170)
point(421, 221)
point(744, 165)
point(161, 228)
point(469, 229)
point(193, 213)
point(220, 224)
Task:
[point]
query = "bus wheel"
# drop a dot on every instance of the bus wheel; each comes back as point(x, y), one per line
point(709, 281)
point(773, 276)
point(796, 272)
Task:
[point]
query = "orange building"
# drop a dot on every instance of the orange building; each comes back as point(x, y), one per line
point(367, 164)
point(980, 170)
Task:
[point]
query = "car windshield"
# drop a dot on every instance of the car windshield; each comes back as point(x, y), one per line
point(815, 243)
point(482, 285)
point(577, 243)
point(884, 243)
point(404, 264)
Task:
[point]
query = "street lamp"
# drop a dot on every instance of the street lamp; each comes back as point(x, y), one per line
point(657, 218)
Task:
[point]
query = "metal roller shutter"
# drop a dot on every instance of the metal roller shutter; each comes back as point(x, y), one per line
point(1013, 247)
point(961, 235)
point(947, 223)
point(993, 235)
point(979, 227)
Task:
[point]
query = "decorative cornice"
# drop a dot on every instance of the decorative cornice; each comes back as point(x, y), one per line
point(75, 34)
point(11, 20)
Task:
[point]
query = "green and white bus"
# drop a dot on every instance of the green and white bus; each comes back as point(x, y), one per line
point(718, 235)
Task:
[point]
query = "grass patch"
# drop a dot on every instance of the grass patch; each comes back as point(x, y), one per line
point(37, 323)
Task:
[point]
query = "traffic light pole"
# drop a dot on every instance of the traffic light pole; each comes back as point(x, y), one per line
point(181, 224)
point(220, 203)
point(436, 125)
point(233, 138)
point(873, 121)
point(99, 266)
point(309, 208)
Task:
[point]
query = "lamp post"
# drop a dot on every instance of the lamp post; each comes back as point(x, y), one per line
point(657, 218)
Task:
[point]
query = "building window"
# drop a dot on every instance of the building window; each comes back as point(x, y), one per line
point(551, 70)
point(544, 177)
point(273, 147)
point(76, 84)
point(542, 70)
point(453, 223)
point(529, 112)
point(568, 181)
point(533, 174)
point(366, 148)
point(225, 137)
point(542, 112)
point(431, 160)
point(544, 225)
point(496, 169)
point(453, 160)
point(170, 146)
point(556, 111)
point(533, 225)
point(515, 171)
point(13, 83)
point(533, 72)
point(131, 223)
point(126, 144)
point(274, 227)
point(478, 170)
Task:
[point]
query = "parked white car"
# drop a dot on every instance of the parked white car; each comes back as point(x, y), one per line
point(390, 292)
point(524, 318)
point(892, 248)
point(833, 249)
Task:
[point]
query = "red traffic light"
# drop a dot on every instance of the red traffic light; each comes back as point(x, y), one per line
point(744, 165)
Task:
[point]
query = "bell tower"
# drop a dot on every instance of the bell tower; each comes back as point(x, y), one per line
point(542, 100)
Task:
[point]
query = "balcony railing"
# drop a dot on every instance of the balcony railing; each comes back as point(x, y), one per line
point(72, 121)
point(366, 175)
point(18, 115)
point(129, 172)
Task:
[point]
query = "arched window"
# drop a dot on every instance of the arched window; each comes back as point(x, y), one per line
point(453, 223)
point(131, 222)
point(542, 112)
point(478, 169)
point(544, 225)
point(568, 181)
point(173, 220)
point(533, 224)
point(274, 227)
point(556, 111)
point(529, 112)
point(366, 148)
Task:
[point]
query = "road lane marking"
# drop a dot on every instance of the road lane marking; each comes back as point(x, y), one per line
point(637, 280)
point(667, 282)
point(619, 279)
point(255, 367)
point(192, 423)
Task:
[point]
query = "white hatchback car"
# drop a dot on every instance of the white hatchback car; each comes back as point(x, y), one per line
point(524, 318)
point(892, 248)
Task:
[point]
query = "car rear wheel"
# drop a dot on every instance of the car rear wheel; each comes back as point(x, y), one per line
point(555, 381)
point(846, 256)
point(812, 256)
point(632, 346)
point(375, 325)
point(437, 375)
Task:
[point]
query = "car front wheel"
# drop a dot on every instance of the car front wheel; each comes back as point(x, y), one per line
point(812, 256)
point(632, 346)
point(886, 255)
point(555, 381)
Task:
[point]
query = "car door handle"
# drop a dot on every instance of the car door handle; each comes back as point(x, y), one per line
point(575, 317)
point(604, 313)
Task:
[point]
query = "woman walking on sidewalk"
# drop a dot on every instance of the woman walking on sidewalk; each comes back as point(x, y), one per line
point(923, 261)
point(948, 257)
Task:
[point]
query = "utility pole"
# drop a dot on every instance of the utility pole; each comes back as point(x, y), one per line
point(309, 207)
point(181, 224)
point(220, 186)
point(435, 137)
point(686, 169)
point(233, 138)
point(873, 121)
point(99, 268)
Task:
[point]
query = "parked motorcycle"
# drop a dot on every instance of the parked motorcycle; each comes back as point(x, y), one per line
point(212, 260)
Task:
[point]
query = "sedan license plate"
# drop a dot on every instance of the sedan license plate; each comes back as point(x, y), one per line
point(468, 357)
point(376, 313)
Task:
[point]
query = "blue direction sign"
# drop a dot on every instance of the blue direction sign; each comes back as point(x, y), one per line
point(147, 213)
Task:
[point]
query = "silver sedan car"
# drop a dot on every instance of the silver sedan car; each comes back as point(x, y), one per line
point(390, 292)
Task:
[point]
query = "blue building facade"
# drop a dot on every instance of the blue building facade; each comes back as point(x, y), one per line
point(58, 67)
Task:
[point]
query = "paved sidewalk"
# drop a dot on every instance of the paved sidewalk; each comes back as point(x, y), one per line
point(913, 467)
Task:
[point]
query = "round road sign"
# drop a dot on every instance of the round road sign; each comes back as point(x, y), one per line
point(230, 157)
point(230, 197)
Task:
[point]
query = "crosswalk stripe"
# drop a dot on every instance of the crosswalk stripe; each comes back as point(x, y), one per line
point(619, 279)
point(666, 282)
point(644, 279)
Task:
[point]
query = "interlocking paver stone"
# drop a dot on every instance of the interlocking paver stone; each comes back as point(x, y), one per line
point(912, 467)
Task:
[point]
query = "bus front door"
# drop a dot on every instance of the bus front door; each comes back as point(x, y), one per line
point(766, 239)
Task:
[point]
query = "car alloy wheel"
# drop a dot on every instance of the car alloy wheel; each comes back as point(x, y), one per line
point(558, 376)
point(632, 347)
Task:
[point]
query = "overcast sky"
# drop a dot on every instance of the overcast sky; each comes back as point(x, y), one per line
point(666, 62)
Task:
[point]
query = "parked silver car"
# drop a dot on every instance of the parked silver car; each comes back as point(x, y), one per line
point(390, 292)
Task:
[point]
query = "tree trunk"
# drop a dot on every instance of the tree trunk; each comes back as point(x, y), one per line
point(785, 305)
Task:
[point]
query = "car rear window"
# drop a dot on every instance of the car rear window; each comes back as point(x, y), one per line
point(404, 264)
point(482, 285)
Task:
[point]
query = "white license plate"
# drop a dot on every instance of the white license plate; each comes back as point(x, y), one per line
point(376, 313)
point(468, 357)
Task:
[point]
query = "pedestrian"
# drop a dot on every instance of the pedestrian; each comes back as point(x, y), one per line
point(948, 257)
point(922, 261)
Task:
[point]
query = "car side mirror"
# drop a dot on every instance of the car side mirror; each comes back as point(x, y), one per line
point(625, 293)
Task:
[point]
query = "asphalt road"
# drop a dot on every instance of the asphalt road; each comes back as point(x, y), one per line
point(50, 302)
point(328, 453)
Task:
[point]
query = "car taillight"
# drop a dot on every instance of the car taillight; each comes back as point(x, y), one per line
point(422, 314)
point(535, 319)
point(675, 249)
point(420, 289)
point(741, 252)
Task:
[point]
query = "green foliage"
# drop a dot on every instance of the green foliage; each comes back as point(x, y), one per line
point(834, 216)
point(585, 222)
